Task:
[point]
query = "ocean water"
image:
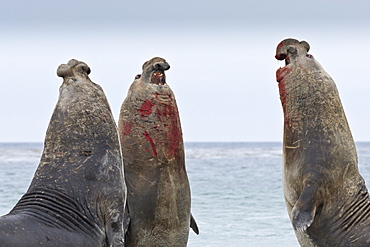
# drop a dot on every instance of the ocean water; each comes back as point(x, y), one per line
point(237, 195)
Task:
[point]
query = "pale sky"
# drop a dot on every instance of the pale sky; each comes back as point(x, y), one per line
point(221, 55)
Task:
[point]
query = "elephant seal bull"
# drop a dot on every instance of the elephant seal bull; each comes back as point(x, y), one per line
point(158, 192)
point(78, 192)
point(326, 197)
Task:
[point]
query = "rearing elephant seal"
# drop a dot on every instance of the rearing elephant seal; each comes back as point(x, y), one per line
point(326, 197)
point(158, 193)
point(77, 195)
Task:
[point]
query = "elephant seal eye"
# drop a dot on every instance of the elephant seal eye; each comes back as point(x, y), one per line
point(309, 56)
point(137, 76)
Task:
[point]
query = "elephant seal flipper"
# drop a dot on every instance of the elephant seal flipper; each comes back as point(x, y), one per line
point(78, 193)
point(158, 188)
point(304, 210)
point(326, 197)
point(193, 224)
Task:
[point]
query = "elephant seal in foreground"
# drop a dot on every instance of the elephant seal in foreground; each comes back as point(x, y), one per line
point(77, 195)
point(326, 197)
point(158, 189)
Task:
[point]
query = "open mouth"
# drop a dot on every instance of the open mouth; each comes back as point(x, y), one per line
point(281, 73)
point(283, 57)
point(287, 60)
point(158, 78)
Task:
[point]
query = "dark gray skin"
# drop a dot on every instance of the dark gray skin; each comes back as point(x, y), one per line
point(158, 189)
point(326, 197)
point(77, 195)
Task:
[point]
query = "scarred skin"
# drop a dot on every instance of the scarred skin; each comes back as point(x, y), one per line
point(152, 146)
point(77, 195)
point(326, 197)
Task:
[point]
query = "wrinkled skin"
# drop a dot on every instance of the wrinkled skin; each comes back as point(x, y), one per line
point(77, 195)
point(158, 195)
point(326, 197)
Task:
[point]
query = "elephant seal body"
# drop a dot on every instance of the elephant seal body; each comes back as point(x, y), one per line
point(326, 197)
point(158, 189)
point(77, 195)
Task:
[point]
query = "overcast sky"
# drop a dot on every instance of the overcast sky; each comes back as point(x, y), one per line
point(221, 55)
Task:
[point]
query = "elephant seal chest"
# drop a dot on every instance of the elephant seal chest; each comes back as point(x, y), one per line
point(152, 147)
point(78, 192)
point(326, 197)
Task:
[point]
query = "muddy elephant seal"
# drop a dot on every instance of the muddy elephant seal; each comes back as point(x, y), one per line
point(77, 195)
point(326, 197)
point(158, 193)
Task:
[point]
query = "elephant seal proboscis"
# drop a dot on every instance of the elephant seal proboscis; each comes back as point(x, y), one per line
point(78, 193)
point(326, 197)
point(158, 192)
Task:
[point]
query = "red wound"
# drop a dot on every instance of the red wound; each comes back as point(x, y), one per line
point(126, 129)
point(150, 140)
point(278, 56)
point(146, 108)
point(168, 115)
point(283, 99)
point(174, 136)
point(281, 73)
point(282, 93)
point(174, 133)
point(279, 46)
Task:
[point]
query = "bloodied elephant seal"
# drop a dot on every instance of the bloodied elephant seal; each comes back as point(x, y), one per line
point(158, 189)
point(326, 197)
point(77, 195)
